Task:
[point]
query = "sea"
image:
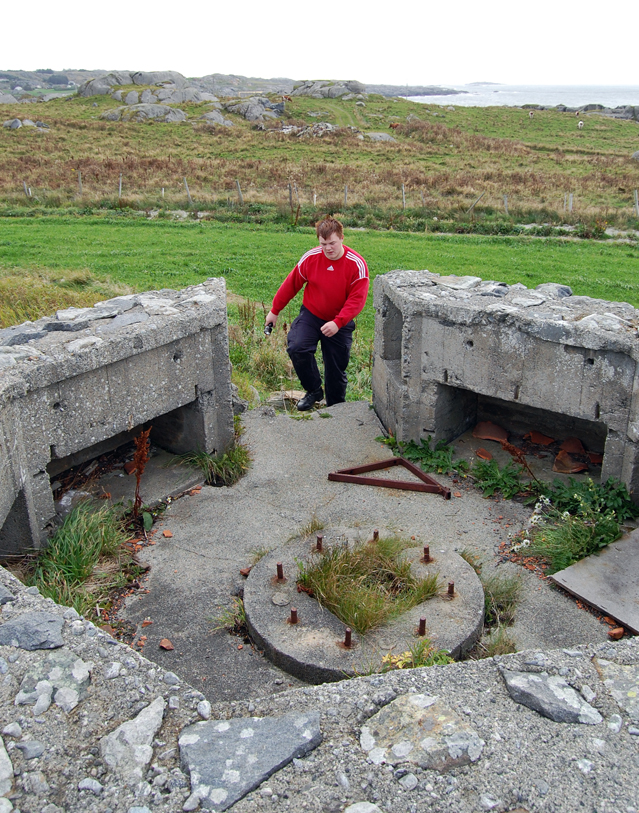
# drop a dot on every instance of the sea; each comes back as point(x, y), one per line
point(489, 94)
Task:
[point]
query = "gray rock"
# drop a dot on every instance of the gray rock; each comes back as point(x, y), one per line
point(28, 123)
point(90, 784)
point(380, 137)
point(132, 97)
point(12, 124)
point(362, 807)
point(7, 98)
point(227, 759)
point(127, 750)
point(31, 749)
point(614, 723)
point(12, 730)
point(623, 684)
point(22, 334)
point(35, 782)
point(421, 730)
point(6, 595)
point(157, 77)
point(215, 117)
point(33, 630)
point(408, 781)
point(7, 807)
point(146, 97)
point(550, 696)
point(117, 95)
point(171, 678)
point(144, 112)
point(6, 771)
point(204, 709)
point(66, 676)
point(554, 290)
point(635, 155)
point(112, 670)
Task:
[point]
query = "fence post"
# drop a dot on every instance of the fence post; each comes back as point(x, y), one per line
point(120, 187)
point(423, 201)
point(290, 196)
point(79, 183)
point(345, 194)
point(403, 197)
point(162, 192)
point(636, 203)
point(297, 194)
point(26, 191)
point(314, 198)
point(565, 202)
point(570, 202)
point(239, 193)
point(188, 192)
point(506, 204)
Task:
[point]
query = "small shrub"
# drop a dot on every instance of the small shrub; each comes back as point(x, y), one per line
point(501, 596)
point(611, 496)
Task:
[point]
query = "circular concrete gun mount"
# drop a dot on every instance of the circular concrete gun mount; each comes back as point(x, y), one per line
point(313, 648)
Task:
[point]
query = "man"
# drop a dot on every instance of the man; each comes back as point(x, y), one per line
point(336, 280)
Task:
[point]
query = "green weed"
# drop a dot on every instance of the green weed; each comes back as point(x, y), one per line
point(491, 479)
point(609, 497)
point(438, 459)
point(366, 584)
point(232, 619)
point(422, 653)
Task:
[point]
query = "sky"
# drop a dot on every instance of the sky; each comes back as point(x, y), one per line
point(416, 42)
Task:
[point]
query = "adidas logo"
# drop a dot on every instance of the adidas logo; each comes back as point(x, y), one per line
point(330, 268)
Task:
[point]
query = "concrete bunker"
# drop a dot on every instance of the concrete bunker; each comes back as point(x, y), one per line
point(453, 351)
point(88, 380)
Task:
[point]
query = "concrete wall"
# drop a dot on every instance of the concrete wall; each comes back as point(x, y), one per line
point(89, 379)
point(453, 350)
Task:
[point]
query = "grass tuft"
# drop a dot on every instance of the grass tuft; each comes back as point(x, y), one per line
point(84, 560)
point(367, 584)
point(219, 470)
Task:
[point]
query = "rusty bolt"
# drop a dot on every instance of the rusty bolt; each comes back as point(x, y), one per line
point(375, 535)
point(451, 589)
point(280, 571)
point(320, 541)
point(426, 553)
point(347, 638)
point(293, 615)
point(422, 626)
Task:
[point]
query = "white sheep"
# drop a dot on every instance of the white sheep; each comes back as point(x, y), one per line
point(581, 125)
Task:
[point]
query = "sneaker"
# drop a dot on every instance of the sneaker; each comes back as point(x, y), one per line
point(310, 399)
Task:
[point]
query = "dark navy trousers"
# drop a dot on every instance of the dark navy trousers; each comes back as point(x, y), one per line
point(302, 343)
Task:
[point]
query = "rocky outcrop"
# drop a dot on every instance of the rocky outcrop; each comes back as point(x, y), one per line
point(144, 112)
point(7, 98)
point(256, 108)
point(215, 117)
point(103, 85)
point(15, 124)
point(325, 89)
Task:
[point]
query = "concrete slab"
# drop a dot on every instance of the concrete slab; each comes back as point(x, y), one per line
point(608, 581)
point(312, 649)
point(195, 573)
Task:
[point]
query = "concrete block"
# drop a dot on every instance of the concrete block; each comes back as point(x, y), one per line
point(453, 350)
point(73, 394)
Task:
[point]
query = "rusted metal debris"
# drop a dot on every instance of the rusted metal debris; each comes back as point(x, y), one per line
point(427, 484)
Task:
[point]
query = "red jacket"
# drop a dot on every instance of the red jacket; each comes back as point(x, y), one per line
point(335, 290)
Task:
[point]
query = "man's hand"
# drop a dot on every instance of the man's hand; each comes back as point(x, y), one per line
point(329, 328)
point(271, 318)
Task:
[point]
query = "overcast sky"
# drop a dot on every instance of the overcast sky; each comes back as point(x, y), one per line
point(414, 42)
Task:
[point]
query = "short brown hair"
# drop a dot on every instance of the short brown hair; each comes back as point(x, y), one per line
point(328, 226)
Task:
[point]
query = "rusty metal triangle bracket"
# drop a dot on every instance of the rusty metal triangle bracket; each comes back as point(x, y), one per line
point(427, 483)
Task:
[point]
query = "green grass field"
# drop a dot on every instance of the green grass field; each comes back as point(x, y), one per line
point(443, 158)
point(48, 263)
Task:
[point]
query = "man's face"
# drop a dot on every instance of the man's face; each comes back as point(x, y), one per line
point(332, 246)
